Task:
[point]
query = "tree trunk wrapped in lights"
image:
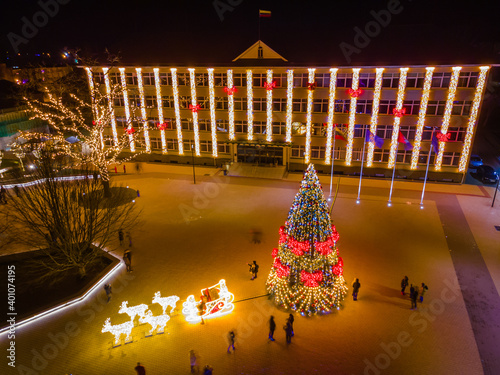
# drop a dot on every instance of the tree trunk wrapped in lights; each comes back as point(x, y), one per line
point(307, 272)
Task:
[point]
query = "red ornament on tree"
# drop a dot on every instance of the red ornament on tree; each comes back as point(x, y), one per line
point(354, 93)
point(270, 86)
point(130, 130)
point(311, 279)
point(230, 90)
point(194, 108)
point(399, 112)
point(311, 86)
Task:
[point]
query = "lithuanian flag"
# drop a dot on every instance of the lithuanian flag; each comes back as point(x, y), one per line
point(264, 13)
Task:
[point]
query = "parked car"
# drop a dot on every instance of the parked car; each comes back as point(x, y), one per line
point(487, 174)
point(475, 161)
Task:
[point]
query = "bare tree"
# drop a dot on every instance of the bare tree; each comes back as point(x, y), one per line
point(69, 221)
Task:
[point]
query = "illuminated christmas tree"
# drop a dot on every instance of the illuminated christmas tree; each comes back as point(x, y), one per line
point(307, 273)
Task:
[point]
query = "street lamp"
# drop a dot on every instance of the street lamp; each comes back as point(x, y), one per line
point(192, 156)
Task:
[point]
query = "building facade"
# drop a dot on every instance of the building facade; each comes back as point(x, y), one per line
point(294, 115)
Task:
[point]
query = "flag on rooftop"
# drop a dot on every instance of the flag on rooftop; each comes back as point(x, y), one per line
point(264, 13)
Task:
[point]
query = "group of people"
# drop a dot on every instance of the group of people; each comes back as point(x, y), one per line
point(416, 292)
point(288, 328)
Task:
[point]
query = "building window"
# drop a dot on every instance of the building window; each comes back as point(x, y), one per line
point(240, 104)
point(172, 144)
point(201, 79)
point(221, 103)
point(279, 128)
point(204, 125)
point(259, 79)
point(367, 80)
point(206, 146)
point(240, 127)
point(299, 105)
point(148, 79)
point(99, 77)
point(150, 101)
point(168, 102)
point(467, 79)
point(461, 108)
point(115, 78)
point(317, 152)
point(344, 80)
point(441, 79)
point(279, 104)
point(323, 80)
point(280, 79)
point(131, 78)
point(298, 151)
point(183, 79)
point(259, 104)
point(320, 105)
point(165, 79)
point(415, 80)
point(436, 107)
point(300, 79)
point(223, 148)
point(239, 79)
point(342, 106)
point(390, 80)
point(259, 127)
point(364, 106)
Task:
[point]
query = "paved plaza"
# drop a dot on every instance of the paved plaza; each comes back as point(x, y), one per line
point(194, 235)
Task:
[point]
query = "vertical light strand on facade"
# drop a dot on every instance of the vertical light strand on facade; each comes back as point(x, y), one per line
point(178, 124)
point(143, 110)
point(269, 106)
point(159, 102)
point(194, 104)
point(230, 104)
point(213, 122)
point(447, 114)
point(289, 105)
point(374, 119)
point(352, 117)
point(464, 157)
point(310, 81)
point(331, 111)
point(250, 105)
point(126, 103)
point(110, 105)
point(393, 153)
point(421, 116)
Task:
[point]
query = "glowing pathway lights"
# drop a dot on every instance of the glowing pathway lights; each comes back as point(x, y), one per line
point(165, 302)
point(310, 93)
point(269, 105)
point(175, 92)
point(213, 122)
point(110, 106)
point(230, 104)
point(159, 102)
point(126, 103)
point(331, 110)
point(157, 323)
point(352, 116)
point(464, 157)
point(421, 116)
point(143, 109)
point(374, 119)
point(119, 330)
point(219, 302)
point(447, 115)
point(250, 105)
point(397, 120)
point(289, 105)
point(192, 79)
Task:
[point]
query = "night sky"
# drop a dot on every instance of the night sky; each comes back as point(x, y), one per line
point(304, 32)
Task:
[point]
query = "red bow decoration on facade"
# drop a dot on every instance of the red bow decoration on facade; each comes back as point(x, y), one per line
point(354, 93)
point(270, 86)
point(281, 270)
point(130, 131)
point(311, 280)
point(338, 269)
point(194, 108)
point(443, 137)
point(399, 112)
point(162, 126)
point(230, 90)
point(311, 86)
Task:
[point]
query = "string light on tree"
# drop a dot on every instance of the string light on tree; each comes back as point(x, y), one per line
point(159, 104)
point(352, 117)
point(213, 122)
point(310, 93)
point(175, 91)
point(331, 111)
point(464, 157)
point(250, 105)
point(447, 113)
point(374, 119)
point(424, 101)
point(393, 153)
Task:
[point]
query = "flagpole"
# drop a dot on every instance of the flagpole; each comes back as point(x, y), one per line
point(425, 179)
point(331, 173)
point(259, 28)
point(361, 173)
point(389, 203)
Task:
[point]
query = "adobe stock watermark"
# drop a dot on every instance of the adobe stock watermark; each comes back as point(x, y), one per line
point(419, 320)
point(223, 6)
point(29, 29)
point(372, 29)
point(59, 341)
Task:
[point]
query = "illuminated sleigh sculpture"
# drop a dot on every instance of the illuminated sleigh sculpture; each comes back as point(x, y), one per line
point(218, 302)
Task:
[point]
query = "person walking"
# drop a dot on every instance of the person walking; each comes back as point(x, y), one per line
point(17, 191)
point(116, 169)
point(272, 327)
point(3, 195)
point(129, 237)
point(124, 169)
point(291, 319)
point(413, 297)
point(107, 288)
point(120, 236)
point(208, 370)
point(254, 268)
point(231, 337)
point(193, 360)
point(140, 369)
point(421, 292)
point(404, 284)
point(288, 331)
point(127, 258)
point(355, 289)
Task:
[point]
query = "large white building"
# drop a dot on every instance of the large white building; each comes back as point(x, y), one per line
point(260, 109)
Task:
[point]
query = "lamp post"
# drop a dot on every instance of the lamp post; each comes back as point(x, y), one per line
point(495, 195)
point(192, 156)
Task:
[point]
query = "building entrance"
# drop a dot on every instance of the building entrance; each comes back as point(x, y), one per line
point(260, 155)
